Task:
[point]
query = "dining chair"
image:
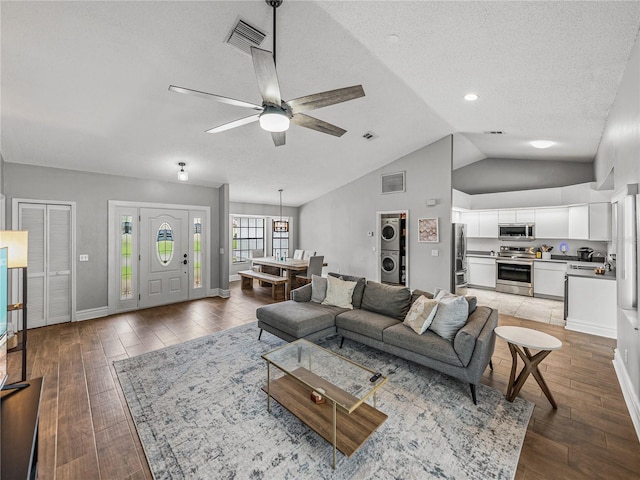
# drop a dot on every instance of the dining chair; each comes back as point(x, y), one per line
point(308, 254)
point(314, 268)
point(298, 254)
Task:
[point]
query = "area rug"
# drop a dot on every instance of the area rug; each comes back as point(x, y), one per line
point(201, 414)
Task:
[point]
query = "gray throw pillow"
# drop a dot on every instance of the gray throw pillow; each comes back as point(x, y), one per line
point(471, 300)
point(452, 314)
point(388, 300)
point(318, 288)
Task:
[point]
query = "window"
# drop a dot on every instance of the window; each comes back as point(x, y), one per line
point(197, 252)
point(280, 243)
point(247, 235)
point(164, 243)
point(126, 222)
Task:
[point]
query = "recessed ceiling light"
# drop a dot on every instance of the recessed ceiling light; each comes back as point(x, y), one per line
point(471, 97)
point(393, 38)
point(542, 143)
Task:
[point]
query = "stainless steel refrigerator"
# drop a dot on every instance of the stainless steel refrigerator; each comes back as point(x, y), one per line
point(459, 272)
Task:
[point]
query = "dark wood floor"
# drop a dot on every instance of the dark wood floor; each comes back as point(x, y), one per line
point(86, 431)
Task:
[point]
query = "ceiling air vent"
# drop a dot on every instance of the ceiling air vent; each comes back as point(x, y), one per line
point(244, 36)
point(494, 132)
point(392, 182)
point(369, 136)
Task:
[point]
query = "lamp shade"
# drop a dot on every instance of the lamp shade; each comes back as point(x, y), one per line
point(17, 243)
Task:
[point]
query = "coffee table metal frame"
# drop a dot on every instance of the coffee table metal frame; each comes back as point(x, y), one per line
point(306, 381)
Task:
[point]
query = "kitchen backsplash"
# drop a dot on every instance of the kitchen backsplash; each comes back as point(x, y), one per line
point(488, 244)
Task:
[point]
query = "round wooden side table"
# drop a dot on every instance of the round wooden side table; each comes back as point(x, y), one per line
point(520, 340)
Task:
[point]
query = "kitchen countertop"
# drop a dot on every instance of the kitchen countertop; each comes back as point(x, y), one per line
point(591, 274)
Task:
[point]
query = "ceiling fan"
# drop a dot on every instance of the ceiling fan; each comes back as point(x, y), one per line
point(276, 114)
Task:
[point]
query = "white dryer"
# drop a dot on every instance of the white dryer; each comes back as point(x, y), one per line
point(390, 234)
point(390, 266)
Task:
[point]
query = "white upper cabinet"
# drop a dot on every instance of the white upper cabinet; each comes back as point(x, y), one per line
point(488, 224)
point(600, 221)
point(471, 220)
point(552, 222)
point(520, 215)
point(579, 222)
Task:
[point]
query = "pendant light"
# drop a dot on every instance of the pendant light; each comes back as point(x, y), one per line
point(182, 175)
point(280, 225)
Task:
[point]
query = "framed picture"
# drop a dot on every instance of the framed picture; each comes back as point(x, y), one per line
point(428, 230)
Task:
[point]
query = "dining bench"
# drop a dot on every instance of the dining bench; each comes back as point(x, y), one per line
point(278, 283)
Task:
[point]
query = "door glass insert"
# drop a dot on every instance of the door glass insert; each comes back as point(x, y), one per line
point(126, 226)
point(197, 252)
point(164, 244)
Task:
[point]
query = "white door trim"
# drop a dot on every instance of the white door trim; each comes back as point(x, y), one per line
point(14, 225)
point(379, 244)
point(112, 253)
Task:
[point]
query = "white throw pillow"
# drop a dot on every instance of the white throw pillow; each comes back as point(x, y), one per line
point(339, 292)
point(318, 288)
point(451, 316)
point(421, 314)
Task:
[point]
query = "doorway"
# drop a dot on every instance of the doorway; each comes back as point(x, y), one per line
point(393, 247)
point(158, 254)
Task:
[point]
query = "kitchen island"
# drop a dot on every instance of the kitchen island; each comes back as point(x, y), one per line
point(590, 302)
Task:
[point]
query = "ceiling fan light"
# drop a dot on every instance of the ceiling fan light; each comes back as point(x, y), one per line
point(274, 120)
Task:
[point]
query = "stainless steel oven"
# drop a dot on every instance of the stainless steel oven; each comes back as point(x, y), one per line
point(514, 270)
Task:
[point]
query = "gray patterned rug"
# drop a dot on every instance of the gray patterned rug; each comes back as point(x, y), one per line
point(200, 414)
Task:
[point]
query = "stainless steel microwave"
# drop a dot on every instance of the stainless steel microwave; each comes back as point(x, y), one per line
point(516, 231)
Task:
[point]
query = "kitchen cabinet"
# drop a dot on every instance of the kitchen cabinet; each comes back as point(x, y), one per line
point(591, 305)
point(488, 224)
point(471, 220)
point(552, 222)
point(520, 215)
point(579, 222)
point(482, 272)
point(548, 279)
point(600, 221)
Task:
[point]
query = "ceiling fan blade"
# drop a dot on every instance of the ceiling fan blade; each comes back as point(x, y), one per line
point(279, 138)
point(324, 99)
point(211, 96)
point(234, 124)
point(267, 76)
point(315, 124)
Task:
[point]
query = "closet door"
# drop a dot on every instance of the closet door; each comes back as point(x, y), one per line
point(50, 262)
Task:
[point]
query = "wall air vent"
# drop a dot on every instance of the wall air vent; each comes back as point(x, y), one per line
point(392, 182)
point(244, 36)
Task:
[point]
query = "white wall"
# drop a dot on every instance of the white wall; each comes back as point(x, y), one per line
point(336, 224)
point(91, 192)
point(620, 150)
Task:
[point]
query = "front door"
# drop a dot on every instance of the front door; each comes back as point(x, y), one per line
point(164, 256)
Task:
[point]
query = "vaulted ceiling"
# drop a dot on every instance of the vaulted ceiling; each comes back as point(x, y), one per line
point(85, 85)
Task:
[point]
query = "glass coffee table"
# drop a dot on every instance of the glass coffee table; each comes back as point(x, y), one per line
point(343, 418)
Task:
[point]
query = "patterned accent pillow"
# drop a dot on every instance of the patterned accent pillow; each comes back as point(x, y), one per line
point(421, 314)
point(339, 293)
point(318, 288)
point(452, 314)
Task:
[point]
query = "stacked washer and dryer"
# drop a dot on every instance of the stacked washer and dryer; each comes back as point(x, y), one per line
point(390, 250)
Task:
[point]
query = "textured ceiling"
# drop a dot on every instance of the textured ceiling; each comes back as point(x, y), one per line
point(84, 85)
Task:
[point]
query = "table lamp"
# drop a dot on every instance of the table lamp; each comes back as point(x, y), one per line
point(17, 243)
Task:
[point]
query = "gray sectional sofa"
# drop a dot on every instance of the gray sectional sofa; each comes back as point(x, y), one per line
point(376, 320)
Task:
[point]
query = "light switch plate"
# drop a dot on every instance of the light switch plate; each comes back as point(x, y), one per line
point(84, 258)
point(434, 253)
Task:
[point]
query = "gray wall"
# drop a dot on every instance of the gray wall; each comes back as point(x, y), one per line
point(273, 211)
point(336, 224)
point(620, 150)
point(505, 175)
point(91, 193)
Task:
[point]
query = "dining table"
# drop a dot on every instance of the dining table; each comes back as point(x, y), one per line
point(291, 266)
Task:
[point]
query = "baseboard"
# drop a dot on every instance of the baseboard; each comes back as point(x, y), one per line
point(234, 278)
point(630, 398)
point(578, 326)
point(92, 313)
point(219, 292)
